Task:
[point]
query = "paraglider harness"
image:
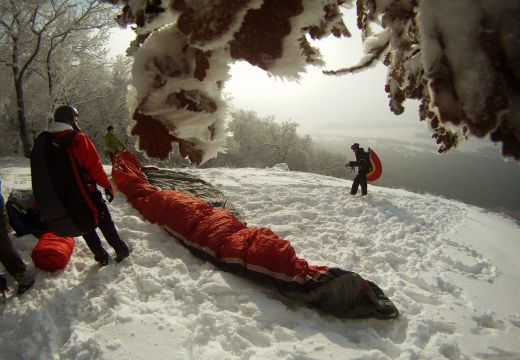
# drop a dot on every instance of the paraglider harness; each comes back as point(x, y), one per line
point(23, 217)
point(60, 187)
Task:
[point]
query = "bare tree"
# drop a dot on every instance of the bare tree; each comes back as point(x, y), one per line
point(282, 140)
point(16, 18)
point(250, 138)
point(327, 163)
point(301, 155)
point(31, 27)
point(90, 15)
point(263, 142)
point(101, 97)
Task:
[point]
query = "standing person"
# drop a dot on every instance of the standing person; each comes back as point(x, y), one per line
point(86, 158)
point(364, 166)
point(112, 142)
point(10, 258)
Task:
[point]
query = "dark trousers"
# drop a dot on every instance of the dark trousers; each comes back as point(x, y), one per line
point(9, 257)
point(108, 229)
point(360, 179)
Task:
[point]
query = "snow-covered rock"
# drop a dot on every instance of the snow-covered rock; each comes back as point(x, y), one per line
point(281, 166)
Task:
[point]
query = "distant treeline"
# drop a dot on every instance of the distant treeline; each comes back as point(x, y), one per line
point(483, 179)
point(259, 142)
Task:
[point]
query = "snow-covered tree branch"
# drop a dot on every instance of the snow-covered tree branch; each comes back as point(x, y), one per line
point(36, 29)
point(459, 58)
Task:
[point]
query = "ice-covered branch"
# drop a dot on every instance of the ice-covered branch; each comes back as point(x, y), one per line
point(460, 58)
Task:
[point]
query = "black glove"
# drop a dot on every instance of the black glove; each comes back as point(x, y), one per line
point(109, 193)
point(351, 164)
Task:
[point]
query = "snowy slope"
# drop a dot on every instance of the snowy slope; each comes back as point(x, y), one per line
point(451, 269)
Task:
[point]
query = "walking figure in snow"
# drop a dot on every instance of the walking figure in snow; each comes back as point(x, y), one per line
point(112, 143)
point(10, 258)
point(65, 171)
point(364, 167)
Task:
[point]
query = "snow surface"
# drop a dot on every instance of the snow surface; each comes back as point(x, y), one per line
point(450, 268)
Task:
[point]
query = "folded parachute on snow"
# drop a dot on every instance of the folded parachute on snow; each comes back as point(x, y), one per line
point(53, 252)
point(210, 230)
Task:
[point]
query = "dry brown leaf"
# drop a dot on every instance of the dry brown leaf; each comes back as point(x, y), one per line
point(154, 138)
point(262, 48)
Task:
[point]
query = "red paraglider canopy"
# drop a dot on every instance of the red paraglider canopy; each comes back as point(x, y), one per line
point(257, 253)
point(377, 167)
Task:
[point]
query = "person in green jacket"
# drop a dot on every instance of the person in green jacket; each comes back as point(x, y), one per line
point(112, 143)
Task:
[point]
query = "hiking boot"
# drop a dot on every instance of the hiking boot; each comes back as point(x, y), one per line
point(25, 281)
point(121, 255)
point(103, 258)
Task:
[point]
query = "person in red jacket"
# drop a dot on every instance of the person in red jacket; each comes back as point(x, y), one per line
point(87, 159)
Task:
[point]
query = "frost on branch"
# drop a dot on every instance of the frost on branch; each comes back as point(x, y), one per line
point(182, 54)
point(459, 58)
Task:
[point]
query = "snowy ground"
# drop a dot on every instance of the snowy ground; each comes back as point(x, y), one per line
point(451, 269)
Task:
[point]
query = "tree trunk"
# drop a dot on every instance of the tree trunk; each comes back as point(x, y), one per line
point(22, 121)
point(20, 102)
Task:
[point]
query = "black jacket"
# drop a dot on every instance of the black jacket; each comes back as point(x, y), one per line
point(362, 161)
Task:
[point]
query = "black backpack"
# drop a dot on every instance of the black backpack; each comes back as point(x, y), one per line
point(23, 218)
point(59, 187)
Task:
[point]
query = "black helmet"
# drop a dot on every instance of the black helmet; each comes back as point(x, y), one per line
point(65, 114)
point(355, 146)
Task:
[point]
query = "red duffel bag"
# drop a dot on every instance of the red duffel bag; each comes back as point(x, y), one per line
point(53, 252)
